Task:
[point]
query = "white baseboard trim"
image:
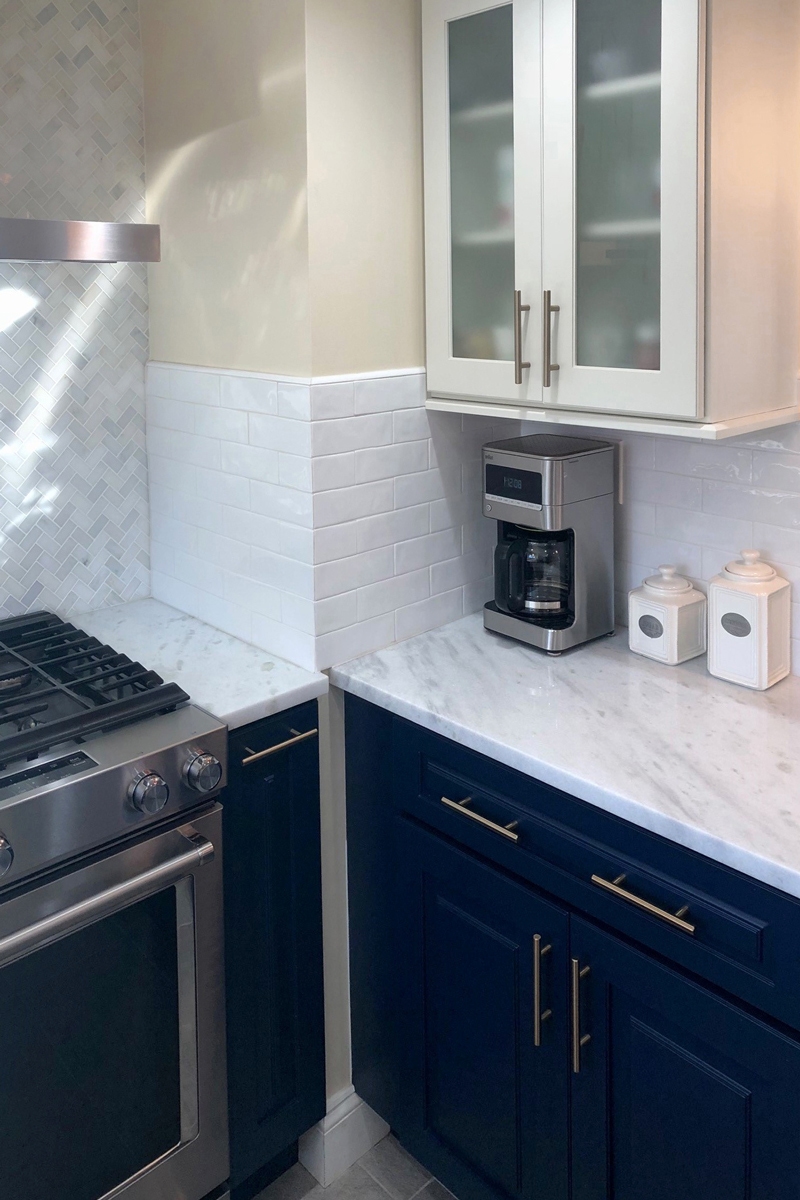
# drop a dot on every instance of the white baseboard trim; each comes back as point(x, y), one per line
point(349, 1130)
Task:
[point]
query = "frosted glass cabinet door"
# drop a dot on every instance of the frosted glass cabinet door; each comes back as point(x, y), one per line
point(622, 86)
point(482, 186)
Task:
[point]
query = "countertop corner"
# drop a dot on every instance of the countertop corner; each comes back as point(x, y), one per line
point(233, 680)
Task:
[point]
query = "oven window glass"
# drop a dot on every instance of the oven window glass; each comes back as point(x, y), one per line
point(90, 1078)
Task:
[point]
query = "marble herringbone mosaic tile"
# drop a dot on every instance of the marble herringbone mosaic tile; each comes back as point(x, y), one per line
point(74, 527)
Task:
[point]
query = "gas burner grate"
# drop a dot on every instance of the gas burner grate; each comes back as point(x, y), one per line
point(58, 683)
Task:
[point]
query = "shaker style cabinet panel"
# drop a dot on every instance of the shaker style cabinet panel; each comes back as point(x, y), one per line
point(480, 969)
point(611, 207)
point(676, 1092)
point(273, 938)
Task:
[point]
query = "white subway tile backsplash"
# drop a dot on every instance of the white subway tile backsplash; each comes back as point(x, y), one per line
point(706, 460)
point(391, 594)
point(411, 424)
point(223, 423)
point(294, 400)
point(195, 387)
point(284, 573)
point(250, 462)
point(428, 614)
point(422, 551)
point(225, 487)
point(338, 541)
point(658, 487)
point(249, 394)
point(776, 472)
point(333, 471)
point(361, 638)
point(350, 433)
point(389, 393)
point(389, 528)
point(282, 503)
point(279, 433)
point(253, 596)
point(386, 462)
point(170, 414)
point(158, 381)
point(294, 471)
point(361, 512)
point(331, 400)
point(349, 504)
point(358, 570)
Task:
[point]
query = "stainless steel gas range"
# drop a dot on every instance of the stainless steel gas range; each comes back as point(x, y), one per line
point(111, 952)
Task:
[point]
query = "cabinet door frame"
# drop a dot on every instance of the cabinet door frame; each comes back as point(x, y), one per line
point(676, 390)
point(431, 868)
point(447, 375)
point(739, 1052)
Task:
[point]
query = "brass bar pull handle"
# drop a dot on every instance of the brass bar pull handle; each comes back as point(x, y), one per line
point(547, 341)
point(539, 952)
point(506, 831)
point(519, 365)
point(292, 741)
point(578, 1041)
point(676, 920)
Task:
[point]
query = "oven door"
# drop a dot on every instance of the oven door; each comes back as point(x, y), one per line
point(112, 1076)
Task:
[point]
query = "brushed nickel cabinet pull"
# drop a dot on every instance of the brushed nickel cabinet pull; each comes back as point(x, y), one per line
point(539, 952)
point(676, 920)
point(519, 365)
point(547, 340)
point(292, 741)
point(578, 1042)
point(506, 831)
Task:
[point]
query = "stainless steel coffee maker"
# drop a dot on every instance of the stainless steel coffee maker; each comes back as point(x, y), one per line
point(553, 500)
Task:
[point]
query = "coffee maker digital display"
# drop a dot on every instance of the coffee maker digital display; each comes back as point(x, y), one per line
point(504, 483)
point(553, 500)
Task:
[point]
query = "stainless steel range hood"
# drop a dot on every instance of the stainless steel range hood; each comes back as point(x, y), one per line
point(23, 240)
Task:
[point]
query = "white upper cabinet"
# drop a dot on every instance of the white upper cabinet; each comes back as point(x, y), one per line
point(611, 208)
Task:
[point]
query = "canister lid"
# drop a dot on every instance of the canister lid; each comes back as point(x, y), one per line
point(750, 567)
point(668, 581)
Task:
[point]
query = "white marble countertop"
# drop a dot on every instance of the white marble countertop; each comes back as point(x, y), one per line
point(705, 763)
point(233, 680)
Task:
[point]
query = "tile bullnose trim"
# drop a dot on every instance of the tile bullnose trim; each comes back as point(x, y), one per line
point(302, 380)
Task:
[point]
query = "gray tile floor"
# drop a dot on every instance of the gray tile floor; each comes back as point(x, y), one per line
point(386, 1172)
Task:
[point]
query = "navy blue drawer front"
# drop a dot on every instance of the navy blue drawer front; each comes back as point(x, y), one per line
point(731, 930)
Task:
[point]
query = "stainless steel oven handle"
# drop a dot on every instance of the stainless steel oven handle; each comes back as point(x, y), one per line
point(104, 903)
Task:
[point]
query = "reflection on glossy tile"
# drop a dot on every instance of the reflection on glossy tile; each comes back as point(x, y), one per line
point(387, 1172)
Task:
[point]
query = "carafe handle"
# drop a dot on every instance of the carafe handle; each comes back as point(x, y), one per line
point(509, 586)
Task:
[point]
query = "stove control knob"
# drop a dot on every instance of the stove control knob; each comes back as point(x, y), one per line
point(149, 794)
point(203, 773)
point(6, 855)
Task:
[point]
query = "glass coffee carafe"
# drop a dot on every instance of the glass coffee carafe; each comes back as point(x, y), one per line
point(533, 574)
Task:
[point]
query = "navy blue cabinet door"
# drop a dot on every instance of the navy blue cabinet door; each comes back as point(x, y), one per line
point(680, 1093)
point(482, 1105)
point(273, 942)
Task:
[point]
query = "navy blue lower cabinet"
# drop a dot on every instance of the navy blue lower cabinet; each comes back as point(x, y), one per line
point(678, 1093)
point(273, 938)
point(480, 971)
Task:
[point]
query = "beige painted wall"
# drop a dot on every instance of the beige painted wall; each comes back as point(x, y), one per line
point(284, 163)
point(365, 184)
point(225, 132)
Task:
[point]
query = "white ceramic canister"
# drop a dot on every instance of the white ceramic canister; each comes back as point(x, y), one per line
point(749, 622)
point(667, 618)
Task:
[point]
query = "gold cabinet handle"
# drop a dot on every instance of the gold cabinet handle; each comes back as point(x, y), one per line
point(292, 741)
point(578, 1042)
point(539, 952)
point(506, 831)
point(547, 339)
point(519, 365)
point(676, 920)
